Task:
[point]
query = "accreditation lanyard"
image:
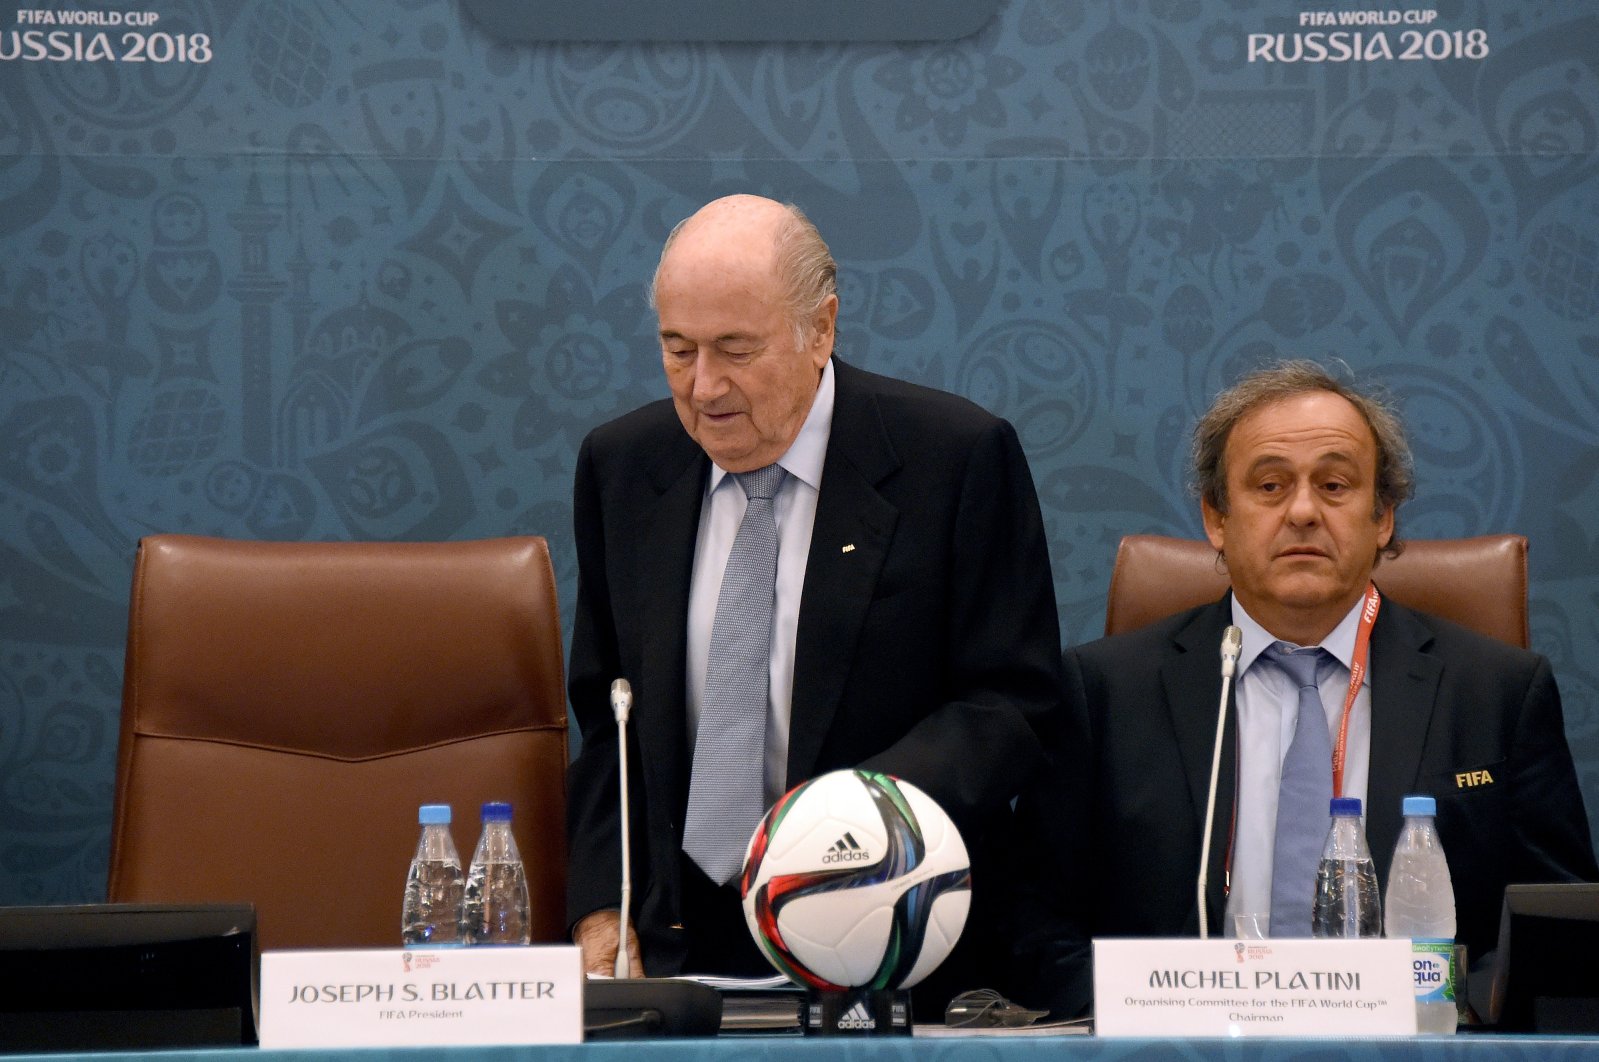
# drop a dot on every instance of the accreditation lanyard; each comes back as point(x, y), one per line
point(1357, 677)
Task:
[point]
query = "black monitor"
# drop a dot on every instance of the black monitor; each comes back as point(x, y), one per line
point(1543, 978)
point(107, 976)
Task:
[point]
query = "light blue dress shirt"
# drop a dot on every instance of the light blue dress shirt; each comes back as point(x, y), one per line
point(1267, 710)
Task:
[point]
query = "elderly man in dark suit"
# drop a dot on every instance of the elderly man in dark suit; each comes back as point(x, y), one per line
point(1300, 477)
point(902, 619)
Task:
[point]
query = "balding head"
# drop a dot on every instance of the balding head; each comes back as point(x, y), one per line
point(776, 236)
point(744, 294)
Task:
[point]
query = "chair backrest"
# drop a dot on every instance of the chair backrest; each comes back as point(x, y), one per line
point(287, 706)
point(1480, 583)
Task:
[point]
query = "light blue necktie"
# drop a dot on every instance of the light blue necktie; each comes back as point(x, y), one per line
point(726, 795)
point(1302, 799)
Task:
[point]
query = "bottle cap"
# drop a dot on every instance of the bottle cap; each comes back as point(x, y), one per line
point(1346, 806)
point(1420, 805)
point(496, 811)
point(434, 815)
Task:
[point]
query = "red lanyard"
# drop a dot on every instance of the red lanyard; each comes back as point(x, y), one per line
point(1357, 676)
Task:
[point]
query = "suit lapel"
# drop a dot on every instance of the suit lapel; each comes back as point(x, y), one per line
point(663, 534)
point(849, 541)
point(1192, 683)
point(1404, 692)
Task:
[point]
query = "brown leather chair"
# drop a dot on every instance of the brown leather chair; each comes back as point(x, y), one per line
point(287, 706)
point(1480, 583)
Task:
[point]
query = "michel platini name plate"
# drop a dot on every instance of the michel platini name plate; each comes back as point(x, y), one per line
point(404, 997)
point(1161, 987)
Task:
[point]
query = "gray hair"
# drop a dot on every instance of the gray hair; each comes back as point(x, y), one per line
point(805, 268)
point(1396, 477)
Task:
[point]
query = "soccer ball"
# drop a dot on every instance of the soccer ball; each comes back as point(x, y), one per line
point(856, 880)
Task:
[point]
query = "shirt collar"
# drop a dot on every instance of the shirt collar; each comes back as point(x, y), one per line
point(1339, 643)
point(806, 454)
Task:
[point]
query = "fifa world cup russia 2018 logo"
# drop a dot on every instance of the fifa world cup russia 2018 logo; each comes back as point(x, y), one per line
point(415, 963)
point(1238, 950)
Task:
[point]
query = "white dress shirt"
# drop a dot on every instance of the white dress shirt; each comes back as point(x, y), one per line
point(794, 507)
point(1267, 702)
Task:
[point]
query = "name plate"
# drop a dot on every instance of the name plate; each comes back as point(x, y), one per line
point(1159, 987)
point(405, 997)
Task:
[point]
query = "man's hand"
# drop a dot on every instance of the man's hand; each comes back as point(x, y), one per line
point(597, 935)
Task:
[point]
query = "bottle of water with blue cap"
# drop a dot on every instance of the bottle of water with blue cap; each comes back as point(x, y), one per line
point(496, 910)
point(1421, 905)
point(431, 914)
point(1348, 902)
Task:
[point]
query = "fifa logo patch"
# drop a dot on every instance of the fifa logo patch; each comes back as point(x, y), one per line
point(846, 850)
point(1473, 779)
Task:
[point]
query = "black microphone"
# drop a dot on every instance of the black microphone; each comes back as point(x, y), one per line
point(621, 708)
point(1232, 643)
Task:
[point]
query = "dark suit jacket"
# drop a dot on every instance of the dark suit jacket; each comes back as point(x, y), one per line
point(1119, 808)
point(927, 651)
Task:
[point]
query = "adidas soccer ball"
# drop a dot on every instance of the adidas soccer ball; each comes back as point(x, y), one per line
point(856, 880)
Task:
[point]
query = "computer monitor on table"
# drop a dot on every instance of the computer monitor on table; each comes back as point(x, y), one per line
point(1543, 978)
point(127, 976)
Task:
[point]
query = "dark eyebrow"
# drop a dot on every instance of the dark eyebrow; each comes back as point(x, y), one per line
point(1338, 457)
point(1265, 461)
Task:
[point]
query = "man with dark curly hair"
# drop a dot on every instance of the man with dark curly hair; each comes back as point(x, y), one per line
point(1339, 692)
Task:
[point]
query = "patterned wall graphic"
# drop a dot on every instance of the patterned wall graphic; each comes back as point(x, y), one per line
point(350, 269)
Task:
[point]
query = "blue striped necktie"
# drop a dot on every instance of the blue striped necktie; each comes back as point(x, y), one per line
point(726, 795)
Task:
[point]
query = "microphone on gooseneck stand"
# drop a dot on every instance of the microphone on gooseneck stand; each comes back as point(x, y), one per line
point(1232, 643)
point(621, 707)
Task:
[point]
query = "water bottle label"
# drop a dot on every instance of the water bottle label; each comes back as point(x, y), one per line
point(1431, 965)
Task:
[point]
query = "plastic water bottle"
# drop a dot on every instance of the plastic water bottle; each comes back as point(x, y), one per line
point(496, 907)
point(431, 914)
point(1421, 905)
point(1348, 903)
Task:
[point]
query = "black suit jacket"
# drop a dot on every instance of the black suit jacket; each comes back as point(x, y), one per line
point(928, 650)
point(1119, 809)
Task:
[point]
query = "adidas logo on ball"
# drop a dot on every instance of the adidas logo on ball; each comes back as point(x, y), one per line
point(846, 850)
point(857, 1018)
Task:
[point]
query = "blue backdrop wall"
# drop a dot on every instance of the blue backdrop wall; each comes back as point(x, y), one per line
point(301, 269)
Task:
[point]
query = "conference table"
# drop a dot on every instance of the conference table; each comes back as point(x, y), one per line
point(979, 1048)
